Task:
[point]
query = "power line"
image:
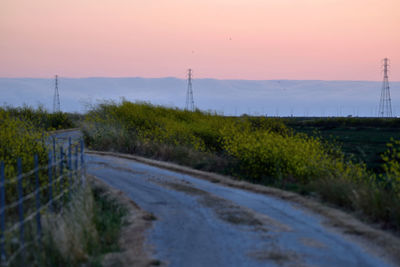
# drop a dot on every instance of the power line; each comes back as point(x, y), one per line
point(56, 99)
point(189, 94)
point(385, 104)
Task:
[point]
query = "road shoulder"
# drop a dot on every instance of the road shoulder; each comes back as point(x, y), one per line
point(132, 241)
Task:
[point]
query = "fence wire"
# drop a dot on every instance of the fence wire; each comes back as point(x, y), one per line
point(65, 173)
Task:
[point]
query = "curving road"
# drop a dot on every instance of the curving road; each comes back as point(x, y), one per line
point(200, 223)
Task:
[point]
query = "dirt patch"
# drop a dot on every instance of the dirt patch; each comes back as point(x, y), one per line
point(132, 240)
point(224, 209)
point(230, 212)
point(278, 256)
point(184, 188)
point(309, 242)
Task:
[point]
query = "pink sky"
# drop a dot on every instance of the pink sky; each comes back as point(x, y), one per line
point(236, 39)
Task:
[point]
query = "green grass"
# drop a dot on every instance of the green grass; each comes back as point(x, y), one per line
point(108, 219)
point(362, 139)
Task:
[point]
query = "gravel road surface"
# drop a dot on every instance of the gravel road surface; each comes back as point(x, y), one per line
point(200, 223)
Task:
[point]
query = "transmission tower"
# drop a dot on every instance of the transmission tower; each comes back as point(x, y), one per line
point(189, 95)
point(385, 105)
point(56, 99)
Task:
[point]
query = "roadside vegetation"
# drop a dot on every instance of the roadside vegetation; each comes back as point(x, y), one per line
point(262, 150)
point(89, 225)
point(41, 118)
point(20, 138)
point(85, 232)
point(350, 163)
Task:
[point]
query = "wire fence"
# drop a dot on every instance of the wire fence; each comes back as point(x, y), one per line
point(26, 197)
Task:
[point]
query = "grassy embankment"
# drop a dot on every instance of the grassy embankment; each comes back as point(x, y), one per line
point(261, 150)
point(83, 234)
point(89, 225)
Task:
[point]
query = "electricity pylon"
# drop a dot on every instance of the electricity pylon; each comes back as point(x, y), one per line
point(56, 99)
point(385, 105)
point(189, 94)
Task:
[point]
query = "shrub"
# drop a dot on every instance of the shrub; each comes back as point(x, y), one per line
point(391, 166)
point(266, 154)
point(39, 117)
point(20, 139)
point(261, 147)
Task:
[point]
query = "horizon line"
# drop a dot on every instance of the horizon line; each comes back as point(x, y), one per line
point(203, 78)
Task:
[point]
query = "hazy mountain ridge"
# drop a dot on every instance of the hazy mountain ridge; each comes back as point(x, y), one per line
point(272, 97)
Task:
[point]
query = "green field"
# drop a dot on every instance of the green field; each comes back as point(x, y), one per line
point(362, 139)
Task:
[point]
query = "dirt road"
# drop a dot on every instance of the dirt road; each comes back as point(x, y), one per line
point(201, 223)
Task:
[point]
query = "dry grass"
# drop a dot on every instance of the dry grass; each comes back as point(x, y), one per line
point(66, 234)
point(133, 251)
point(92, 230)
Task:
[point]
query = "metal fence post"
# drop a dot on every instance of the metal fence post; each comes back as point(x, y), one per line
point(50, 170)
point(69, 161)
point(20, 203)
point(61, 160)
point(83, 167)
point(76, 161)
point(38, 222)
point(2, 215)
point(69, 151)
point(54, 148)
point(61, 182)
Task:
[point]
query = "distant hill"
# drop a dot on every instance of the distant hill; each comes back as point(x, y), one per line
point(230, 97)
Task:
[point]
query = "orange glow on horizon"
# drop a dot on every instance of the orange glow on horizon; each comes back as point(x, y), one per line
point(241, 39)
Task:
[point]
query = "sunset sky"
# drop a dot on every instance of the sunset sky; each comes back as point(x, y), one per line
point(225, 39)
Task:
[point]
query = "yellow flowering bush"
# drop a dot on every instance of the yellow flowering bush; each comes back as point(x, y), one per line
point(267, 154)
point(391, 165)
point(262, 147)
point(158, 125)
point(39, 117)
point(20, 139)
